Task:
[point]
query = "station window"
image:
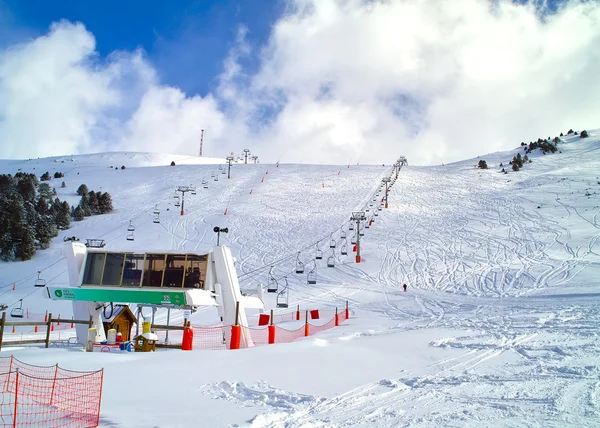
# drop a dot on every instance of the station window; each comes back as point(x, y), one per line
point(93, 268)
point(195, 271)
point(132, 271)
point(113, 269)
point(174, 270)
point(154, 267)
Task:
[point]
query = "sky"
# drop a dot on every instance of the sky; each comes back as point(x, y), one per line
point(315, 81)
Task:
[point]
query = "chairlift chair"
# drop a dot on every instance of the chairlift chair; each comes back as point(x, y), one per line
point(131, 227)
point(319, 255)
point(376, 214)
point(194, 191)
point(283, 297)
point(156, 218)
point(216, 178)
point(311, 278)
point(271, 282)
point(351, 227)
point(331, 260)
point(344, 248)
point(176, 196)
point(343, 234)
point(206, 186)
point(223, 172)
point(332, 242)
point(39, 282)
point(130, 237)
point(18, 312)
point(177, 204)
point(95, 243)
point(299, 264)
point(353, 240)
point(156, 210)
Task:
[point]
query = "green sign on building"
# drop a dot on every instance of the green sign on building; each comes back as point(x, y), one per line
point(149, 297)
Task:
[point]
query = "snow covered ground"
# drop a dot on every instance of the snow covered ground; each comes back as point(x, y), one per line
point(499, 326)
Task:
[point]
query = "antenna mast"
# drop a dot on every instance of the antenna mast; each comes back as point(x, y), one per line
point(201, 141)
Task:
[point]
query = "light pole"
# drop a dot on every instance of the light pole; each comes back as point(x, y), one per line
point(386, 180)
point(218, 231)
point(229, 160)
point(246, 153)
point(358, 216)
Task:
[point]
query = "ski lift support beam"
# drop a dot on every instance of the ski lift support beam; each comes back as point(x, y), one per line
point(358, 216)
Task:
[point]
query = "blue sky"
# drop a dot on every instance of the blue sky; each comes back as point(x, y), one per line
point(307, 81)
point(185, 40)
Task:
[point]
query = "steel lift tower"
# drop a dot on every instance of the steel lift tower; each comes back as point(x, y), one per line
point(386, 180)
point(358, 216)
point(229, 159)
point(183, 190)
point(246, 153)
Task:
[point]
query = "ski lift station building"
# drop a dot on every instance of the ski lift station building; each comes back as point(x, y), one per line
point(169, 279)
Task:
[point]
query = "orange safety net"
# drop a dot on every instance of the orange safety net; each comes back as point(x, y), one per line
point(215, 338)
point(54, 397)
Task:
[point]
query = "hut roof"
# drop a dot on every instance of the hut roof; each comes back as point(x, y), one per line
point(119, 310)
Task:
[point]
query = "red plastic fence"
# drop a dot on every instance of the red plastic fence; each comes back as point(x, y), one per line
point(48, 396)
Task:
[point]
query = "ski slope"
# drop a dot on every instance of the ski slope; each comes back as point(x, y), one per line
point(499, 325)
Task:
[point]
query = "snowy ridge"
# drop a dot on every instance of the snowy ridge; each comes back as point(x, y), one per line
point(499, 325)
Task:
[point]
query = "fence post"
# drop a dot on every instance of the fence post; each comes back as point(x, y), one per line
point(48, 327)
point(2, 322)
point(16, 397)
point(306, 331)
point(236, 330)
point(53, 385)
point(298, 313)
point(347, 311)
point(337, 319)
point(100, 397)
point(271, 330)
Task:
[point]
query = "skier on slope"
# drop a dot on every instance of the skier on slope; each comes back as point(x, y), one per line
point(404, 286)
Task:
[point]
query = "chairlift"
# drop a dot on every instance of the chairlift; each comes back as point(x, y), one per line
point(156, 210)
point(351, 227)
point(271, 282)
point(299, 264)
point(332, 242)
point(176, 196)
point(362, 230)
point(40, 282)
point(344, 247)
point(130, 237)
point(353, 240)
point(206, 185)
point(131, 227)
point(223, 172)
point(376, 214)
point(177, 204)
point(331, 260)
point(194, 191)
point(156, 218)
point(283, 297)
point(216, 178)
point(319, 254)
point(18, 312)
point(379, 208)
point(311, 278)
point(343, 234)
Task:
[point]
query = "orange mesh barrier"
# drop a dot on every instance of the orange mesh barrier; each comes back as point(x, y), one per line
point(215, 338)
point(314, 329)
point(54, 398)
point(259, 335)
point(284, 336)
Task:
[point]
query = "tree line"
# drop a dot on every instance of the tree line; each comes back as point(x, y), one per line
point(31, 214)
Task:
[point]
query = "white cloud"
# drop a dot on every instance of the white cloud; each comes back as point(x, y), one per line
point(339, 81)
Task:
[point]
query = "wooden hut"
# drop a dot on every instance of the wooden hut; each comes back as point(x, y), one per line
point(121, 319)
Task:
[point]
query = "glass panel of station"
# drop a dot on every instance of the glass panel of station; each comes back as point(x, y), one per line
point(93, 268)
point(195, 271)
point(154, 267)
point(174, 272)
point(132, 272)
point(113, 268)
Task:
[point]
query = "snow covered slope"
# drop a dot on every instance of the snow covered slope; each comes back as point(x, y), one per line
point(499, 325)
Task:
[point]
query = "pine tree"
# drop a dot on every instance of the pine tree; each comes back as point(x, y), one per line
point(44, 191)
point(45, 230)
point(63, 184)
point(46, 176)
point(78, 214)
point(85, 207)
point(82, 190)
point(62, 217)
point(93, 202)
point(105, 203)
